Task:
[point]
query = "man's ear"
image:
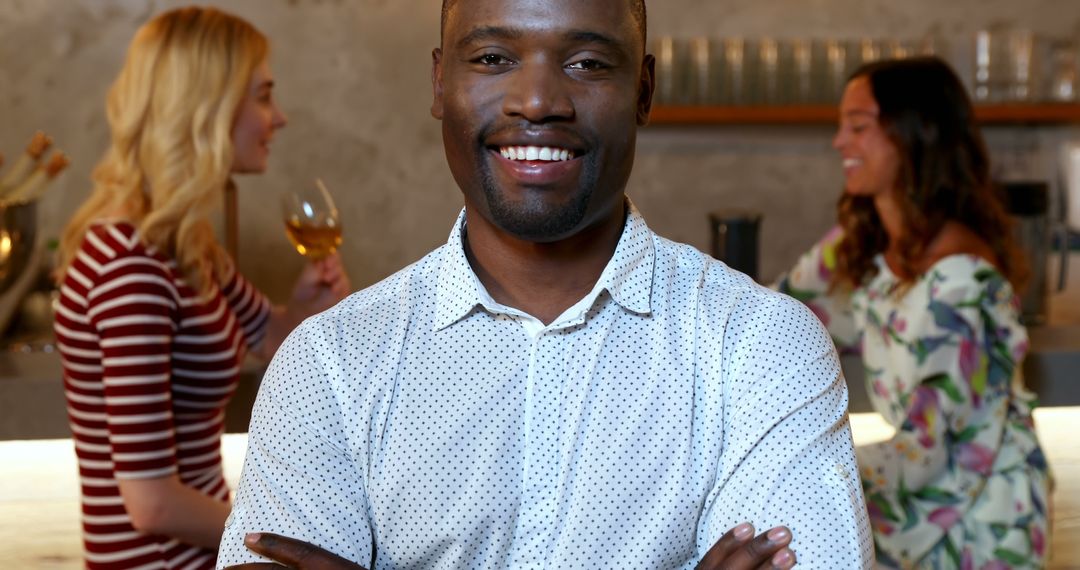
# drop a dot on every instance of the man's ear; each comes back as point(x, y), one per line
point(645, 89)
point(436, 84)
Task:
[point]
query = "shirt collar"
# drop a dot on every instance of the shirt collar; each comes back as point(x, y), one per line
point(628, 276)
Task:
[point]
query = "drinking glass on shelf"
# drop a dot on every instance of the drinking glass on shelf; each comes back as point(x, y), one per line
point(899, 49)
point(701, 73)
point(311, 220)
point(987, 65)
point(1064, 72)
point(1021, 64)
point(734, 84)
point(836, 68)
point(768, 72)
point(674, 70)
point(802, 72)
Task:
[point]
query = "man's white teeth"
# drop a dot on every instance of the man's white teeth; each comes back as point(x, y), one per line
point(851, 162)
point(544, 153)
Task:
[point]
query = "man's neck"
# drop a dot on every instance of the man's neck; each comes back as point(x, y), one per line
point(541, 279)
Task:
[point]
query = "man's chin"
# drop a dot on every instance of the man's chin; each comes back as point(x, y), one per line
point(538, 226)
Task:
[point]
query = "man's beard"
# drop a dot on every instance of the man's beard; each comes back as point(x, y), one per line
point(535, 219)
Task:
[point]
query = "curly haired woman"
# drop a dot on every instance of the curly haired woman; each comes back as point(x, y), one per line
point(920, 277)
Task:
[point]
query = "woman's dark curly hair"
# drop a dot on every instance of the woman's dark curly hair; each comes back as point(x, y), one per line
point(944, 173)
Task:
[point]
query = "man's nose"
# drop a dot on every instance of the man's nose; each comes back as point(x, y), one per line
point(539, 92)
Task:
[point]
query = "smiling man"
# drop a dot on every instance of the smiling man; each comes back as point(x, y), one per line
point(556, 386)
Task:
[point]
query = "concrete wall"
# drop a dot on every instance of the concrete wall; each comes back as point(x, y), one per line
point(353, 79)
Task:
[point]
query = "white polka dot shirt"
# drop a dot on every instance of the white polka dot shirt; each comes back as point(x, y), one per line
point(421, 424)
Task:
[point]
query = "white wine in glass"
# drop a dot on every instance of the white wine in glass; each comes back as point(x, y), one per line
point(311, 221)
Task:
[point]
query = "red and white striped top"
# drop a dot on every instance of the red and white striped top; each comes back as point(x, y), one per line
point(148, 368)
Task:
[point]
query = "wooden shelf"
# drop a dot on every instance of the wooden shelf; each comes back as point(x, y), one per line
point(1032, 113)
point(1045, 113)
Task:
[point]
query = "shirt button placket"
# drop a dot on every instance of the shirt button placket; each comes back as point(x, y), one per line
point(539, 501)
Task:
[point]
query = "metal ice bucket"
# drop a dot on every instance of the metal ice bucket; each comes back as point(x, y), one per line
point(18, 230)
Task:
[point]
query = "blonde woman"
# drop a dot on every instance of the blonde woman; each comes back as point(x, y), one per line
point(154, 319)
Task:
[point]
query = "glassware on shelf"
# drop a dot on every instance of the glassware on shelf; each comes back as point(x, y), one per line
point(996, 65)
point(1021, 64)
point(733, 85)
point(1005, 64)
point(667, 84)
point(802, 72)
point(870, 50)
point(932, 44)
point(836, 69)
point(900, 49)
point(768, 72)
point(1010, 64)
point(1063, 83)
point(701, 88)
point(984, 88)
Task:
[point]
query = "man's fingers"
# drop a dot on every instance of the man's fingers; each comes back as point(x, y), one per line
point(296, 553)
point(782, 560)
point(727, 544)
point(763, 552)
point(768, 551)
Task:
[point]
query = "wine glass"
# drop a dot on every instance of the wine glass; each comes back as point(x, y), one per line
point(311, 220)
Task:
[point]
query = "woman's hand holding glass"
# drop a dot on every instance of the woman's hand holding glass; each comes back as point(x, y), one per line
point(313, 225)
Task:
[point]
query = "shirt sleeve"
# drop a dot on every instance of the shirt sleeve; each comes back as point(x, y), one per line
point(132, 306)
point(251, 307)
point(788, 457)
point(299, 479)
point(809, 281)
point(952, 421)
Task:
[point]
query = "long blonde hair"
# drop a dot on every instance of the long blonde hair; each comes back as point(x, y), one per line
point(171, 112)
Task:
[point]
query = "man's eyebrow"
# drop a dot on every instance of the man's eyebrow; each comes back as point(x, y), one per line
point(490, 33)
point(505, 33)
point(590, 37)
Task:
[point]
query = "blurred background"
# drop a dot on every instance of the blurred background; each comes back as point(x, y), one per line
point(745, 130)
point(354, 79)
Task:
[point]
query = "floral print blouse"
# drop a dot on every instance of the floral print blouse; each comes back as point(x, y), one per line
point(963, 483)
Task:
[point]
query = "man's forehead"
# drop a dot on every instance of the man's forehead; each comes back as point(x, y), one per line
point(536, 14)
point(449, 4)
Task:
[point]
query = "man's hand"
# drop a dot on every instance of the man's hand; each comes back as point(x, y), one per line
point(292, 553)
point(734, 551)
point(739, 550)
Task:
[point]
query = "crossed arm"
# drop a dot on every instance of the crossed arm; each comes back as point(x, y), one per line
point(738, 549)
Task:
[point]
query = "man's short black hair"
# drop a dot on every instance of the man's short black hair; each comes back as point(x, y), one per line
point(637, 7)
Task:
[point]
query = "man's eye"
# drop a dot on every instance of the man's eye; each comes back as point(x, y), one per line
point(492, 59)
point(587, 65)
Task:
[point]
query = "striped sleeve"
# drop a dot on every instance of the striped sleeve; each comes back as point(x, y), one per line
point(251, 307)
point(133, 306)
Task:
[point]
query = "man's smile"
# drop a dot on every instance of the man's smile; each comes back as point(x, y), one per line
point(531, 153)
point(532, 165)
